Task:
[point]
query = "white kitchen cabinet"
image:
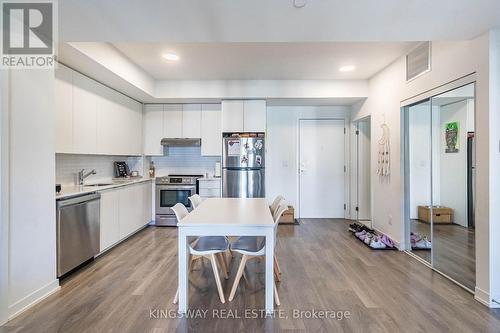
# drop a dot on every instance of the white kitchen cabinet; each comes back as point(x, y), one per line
point(131, 212)
point(244, 116)
point(108, 115)
point(94, 119)
point(209, 187)
point(84, 114)
point(172, 120)
point(191, 121)
point(124, 210)
point(211, 130)
point(64, 109)
point(130, 126)
point(232, 116)
point(119, 123)
point(153, 129)
point(254, 116)
point(109, 225)
point(131, 209)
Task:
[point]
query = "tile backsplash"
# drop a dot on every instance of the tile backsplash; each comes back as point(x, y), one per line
point(178, 160)
point(68, 165)
point(184, 160)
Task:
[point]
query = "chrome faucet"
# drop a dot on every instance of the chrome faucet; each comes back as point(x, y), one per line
point(82, 175)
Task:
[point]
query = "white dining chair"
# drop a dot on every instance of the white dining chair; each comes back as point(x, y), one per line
point(205, 247)
point(276, 203)
point(195, 200)
point(254, 247)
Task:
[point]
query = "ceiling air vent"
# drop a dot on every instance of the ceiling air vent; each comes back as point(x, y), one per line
point(418, 61)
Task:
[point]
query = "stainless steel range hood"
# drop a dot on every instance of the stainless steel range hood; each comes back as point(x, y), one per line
point(181, 142)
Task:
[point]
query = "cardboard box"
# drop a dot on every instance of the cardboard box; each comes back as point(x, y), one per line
point(288, 216)
point(440, 214)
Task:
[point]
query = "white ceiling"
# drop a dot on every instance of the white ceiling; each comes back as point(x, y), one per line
point(263, 61)
point(274, 21)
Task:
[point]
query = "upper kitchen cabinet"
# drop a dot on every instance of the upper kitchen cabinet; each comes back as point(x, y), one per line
point(130, 129)
point(191, 121)
point(108, 114)
point(254, 116)
point(232, 116)
point(94, 119)
point(84, 114)
point(172, 121)
point(211, 130)
point(244, 116)
point(64, 109)
point(153, 129)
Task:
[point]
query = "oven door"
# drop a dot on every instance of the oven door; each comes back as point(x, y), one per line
point(168, 195)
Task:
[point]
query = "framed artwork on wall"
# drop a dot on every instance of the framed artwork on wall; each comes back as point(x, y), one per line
point(451, 137)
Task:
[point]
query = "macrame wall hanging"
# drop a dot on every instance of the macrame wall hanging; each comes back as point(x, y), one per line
point(384, 152)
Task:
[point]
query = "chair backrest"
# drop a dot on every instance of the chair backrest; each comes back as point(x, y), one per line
point(180, 211)
point(195, 200)
point(276, 203)
point(279, 211)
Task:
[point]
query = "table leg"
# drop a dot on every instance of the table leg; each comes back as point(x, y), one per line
point(183, 273)
point(269, 271)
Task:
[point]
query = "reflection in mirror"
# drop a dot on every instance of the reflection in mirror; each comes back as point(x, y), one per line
point(418, 173)
point(453, 185)
point(363, 171)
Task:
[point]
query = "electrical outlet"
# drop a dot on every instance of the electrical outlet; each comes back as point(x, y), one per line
point(390, 219)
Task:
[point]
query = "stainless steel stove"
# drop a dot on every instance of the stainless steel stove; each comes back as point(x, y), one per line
point(171, 190)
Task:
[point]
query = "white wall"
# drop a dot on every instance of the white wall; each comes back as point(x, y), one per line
point(282, 146)
point(450, 60)
point(32, 220)
point(4, 207)
point(494, 179)
point(268, 89)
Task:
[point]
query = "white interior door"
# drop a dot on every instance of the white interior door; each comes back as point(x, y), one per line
point(321, 168)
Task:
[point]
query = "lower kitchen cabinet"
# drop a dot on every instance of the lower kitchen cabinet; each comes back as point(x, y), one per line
point(209, 187)
point(124, 210)
point(110, 229)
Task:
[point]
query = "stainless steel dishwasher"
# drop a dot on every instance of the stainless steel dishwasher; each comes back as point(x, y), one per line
point(78, 231)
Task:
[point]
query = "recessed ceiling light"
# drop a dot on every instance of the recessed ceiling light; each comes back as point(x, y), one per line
point(170, 57)
point(348, 68)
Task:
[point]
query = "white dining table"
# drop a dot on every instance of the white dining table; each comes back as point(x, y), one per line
point(227, 217)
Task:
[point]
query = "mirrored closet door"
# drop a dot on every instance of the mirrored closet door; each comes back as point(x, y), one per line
point(453, 182)
point(439, 161)
point(418, 180)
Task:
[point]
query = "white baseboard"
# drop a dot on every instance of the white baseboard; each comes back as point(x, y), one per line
point(484, 298)
point(33, 298)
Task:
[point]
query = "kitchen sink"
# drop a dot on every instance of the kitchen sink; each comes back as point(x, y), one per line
point(97, 185)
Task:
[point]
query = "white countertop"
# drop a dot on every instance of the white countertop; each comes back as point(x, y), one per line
point(75, 190)
point(210, 178)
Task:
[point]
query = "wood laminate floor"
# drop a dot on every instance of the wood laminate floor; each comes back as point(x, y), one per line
point(324, 268)
point(454, 250)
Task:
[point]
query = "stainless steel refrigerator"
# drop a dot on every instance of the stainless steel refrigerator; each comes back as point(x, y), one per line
point(243, 166)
